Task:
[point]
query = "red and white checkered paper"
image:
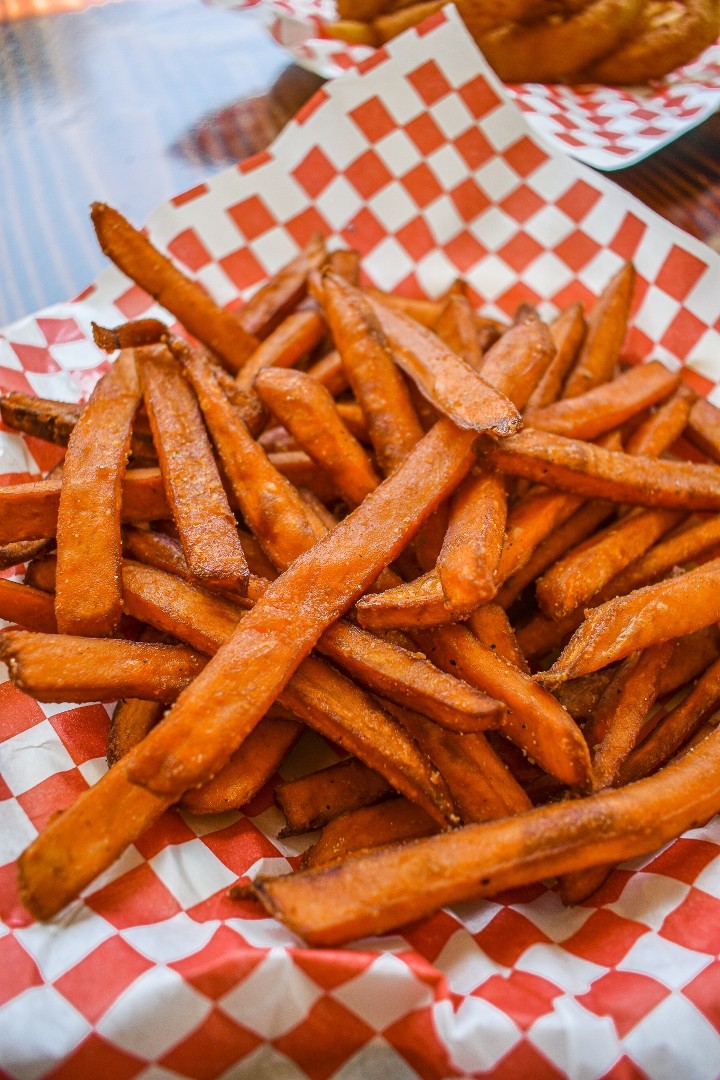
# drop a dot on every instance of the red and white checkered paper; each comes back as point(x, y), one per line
point(421, 162)
point(608, 127)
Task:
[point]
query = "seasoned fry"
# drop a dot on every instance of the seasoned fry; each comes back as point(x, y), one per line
point(468, 561)
point(393, 426)
point(129, 335)
point(456, 326)
point(27, 606)
point(49, 420)
point(60, 667)
point(679, 549)
point(133, 253)
point(568, 332)
point(308, 411)
point(22, 551)
point(310, 801)
point(664, 426)
point(493, 629)
point(355, 831)
point(644, 617)
point(606, 329)
point(295, 337)
point(277, 296)
point(207, 527)
point(130, 722)
point(88, 596)
point(390, 888)
point(592, 471)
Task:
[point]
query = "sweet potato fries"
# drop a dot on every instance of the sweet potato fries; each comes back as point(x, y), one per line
point(333, 514)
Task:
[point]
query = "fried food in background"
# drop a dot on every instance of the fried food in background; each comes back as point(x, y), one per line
point(624, 42)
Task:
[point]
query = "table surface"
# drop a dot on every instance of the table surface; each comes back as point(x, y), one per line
point(134, 101)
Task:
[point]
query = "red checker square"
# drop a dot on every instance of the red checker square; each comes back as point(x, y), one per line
point(524, 997)
point(479, 97)
point(695, 923)
point(430, 936)
point(188, 248)
point(520, 251)
point(517, 294)
point(416, 238)
point(94, 983)
point(577, 250)
point(44, 800)
point(220, 965)
point(35, 358)
point(5, 792)
point(422, 185)
point(429, 24)
point(331, 967)
point(60, 331)
point(697, 382)
point(429, 82)
point(314, 172)
point(508, 935)
point(525, 1060)
point(627, 239)
point(469, 199)
point(425, 133)
point(626, 997)
point(46, 455)
point(134, 899)
point(525, 156)
point(252, 217)
point(83, 731)
point(610, 891)
point(683, 333)
point(364, 232)
point(373, 119)
point(134, 302)
point(168, 829)
point(368, 174)
point(307, 224)
point(637, 344)
point(605, 938)
point(188, 196)
point(578, 200)
point(680, 273)
point(212, 1048)
point(415, 1038)
point(243, 268)
point(704, 992)
point(95, 1057)
point(684, 859)
point(625, 1069)
point(18, 711)
point(308, 1044)
point(522, 203)
point(220, 906)
point(465, 252)
point(240, 845)
point(474, 148)
point(19, 969)
point(14, 381)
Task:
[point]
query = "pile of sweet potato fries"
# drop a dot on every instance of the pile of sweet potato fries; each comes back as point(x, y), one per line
point(479, 557)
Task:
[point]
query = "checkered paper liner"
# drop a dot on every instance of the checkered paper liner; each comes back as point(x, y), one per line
point(425, 166)
point(604, 126)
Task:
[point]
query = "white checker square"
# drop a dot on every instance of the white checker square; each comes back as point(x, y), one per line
point(399, 153)
point(57, 385)
point(492, 278)
point(92, 770)
point(656, 312)
point(547, 274)
point(493, 228)
point(8, 359)
point(388, 258)
point(477, 1035)
point(157, 1072)
point(648, 898)
point(15, 456)
point(274, 997)
point(376, 1058)
point(709, 878)
point(705, 358)
point(451, 116)
point(339, 203)
point(579, 1043)
point(154, 1013)
point(32, 756)
point(663, 960)
point(216, 282)
point(27, 331)
point(59, 945)
point(172, 939)
point(435, 273)
point(571, 973)
point(393, 207)
point(265, 1063)
point(77, 355)
point(266, 933)
point(552, 179)
point(503, 127)
point(475, 914)
point(464, 964)
point(447, 165)
point(274, 248)
point(29, 1048)
point(497, 179)
point(191, 872)
point(16, 831)
point(386, 991)
point(548, 913)
point(443, 220)
point(600, 269)
point(675, 1040)
point(549, 226)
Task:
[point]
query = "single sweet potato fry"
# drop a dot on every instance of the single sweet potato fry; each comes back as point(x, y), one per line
point(585, 416)
point(129, 335)
point(205, 522)
point(536, 723)
point(22, 551)
point(595, 472)
point(648, 616)
point(682, 547)
point(134, 254)
point(568, 332)
point(308, 411)
point(60, 667)
point(391, 887)
point(130, 722)
point(703, 428)
point(88, 596)
point(282, 291)
point(49, 420)
point(296, 336)
point(456, 326)
point(663, 426)
point(329, 371)
point(493, 629)
point(310, 801)
point(29, 607)
point(517, 361)
point(469, 558)
point(369, 827)
point(606, 329)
